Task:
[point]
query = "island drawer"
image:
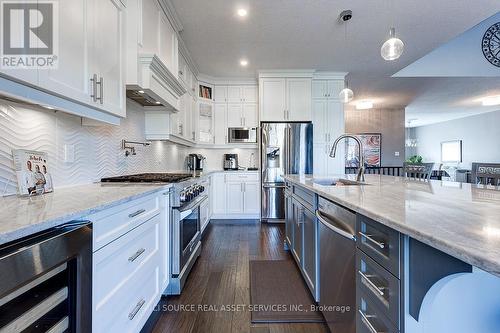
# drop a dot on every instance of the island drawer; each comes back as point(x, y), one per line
point(117, 262)
point(369, 318)
point(112, 223)
point(307, 198)
point(239, 177)
point(380, 243)
point(379, 285)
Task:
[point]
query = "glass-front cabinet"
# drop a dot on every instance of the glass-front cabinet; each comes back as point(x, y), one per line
point(205, 122)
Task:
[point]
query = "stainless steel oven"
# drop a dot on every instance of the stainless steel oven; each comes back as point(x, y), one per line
point(242, 135)
point(186, 245)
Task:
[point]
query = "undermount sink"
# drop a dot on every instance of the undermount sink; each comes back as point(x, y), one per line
point(337, 182)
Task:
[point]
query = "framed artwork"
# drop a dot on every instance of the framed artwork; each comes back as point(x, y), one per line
point(372, 146)
point(451, 151)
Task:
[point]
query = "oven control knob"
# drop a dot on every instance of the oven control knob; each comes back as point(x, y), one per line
point(202, 189)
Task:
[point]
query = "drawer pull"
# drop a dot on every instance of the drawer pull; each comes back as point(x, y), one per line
point(367, 321)
point(136, 255)
point(139, 212)
point(136, 309)
point(369, 237)
point(370, 282)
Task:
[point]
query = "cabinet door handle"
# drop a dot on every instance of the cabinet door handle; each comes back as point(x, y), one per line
point(93, 82)
point(369, 237)
point(101, 89)
point(136, 255)
point(134, 214)
point(136, 309)
point(367, 321)
point(370, 282)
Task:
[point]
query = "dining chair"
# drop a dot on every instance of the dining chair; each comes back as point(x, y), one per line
point(486, 173)
point(418, 171)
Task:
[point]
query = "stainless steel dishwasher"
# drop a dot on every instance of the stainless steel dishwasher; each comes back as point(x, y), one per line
point(337, 252)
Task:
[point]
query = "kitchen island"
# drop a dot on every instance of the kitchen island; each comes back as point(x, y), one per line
point(435, 245)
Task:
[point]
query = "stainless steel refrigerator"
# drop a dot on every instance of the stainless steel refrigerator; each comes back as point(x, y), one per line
point(285, 148)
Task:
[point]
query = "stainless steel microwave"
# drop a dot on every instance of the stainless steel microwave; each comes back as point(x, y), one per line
point(242, 134)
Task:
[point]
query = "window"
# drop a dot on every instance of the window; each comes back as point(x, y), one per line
point(451, 151)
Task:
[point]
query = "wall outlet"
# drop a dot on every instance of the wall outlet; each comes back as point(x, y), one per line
point(69, 153)
point(396, 153)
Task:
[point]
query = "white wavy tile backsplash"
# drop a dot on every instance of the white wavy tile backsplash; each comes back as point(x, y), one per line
point(97, 149)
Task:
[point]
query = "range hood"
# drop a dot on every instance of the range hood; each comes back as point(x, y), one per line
point(156, 87)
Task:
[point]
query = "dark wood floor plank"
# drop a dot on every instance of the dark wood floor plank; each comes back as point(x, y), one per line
point(221, 277)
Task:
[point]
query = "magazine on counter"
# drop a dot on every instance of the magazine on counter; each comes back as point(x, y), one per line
point(32, 170)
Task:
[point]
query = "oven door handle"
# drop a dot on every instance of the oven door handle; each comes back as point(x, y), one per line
point(185, 213)
point(191, 206)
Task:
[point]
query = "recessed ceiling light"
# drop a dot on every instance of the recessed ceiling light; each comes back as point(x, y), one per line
point(242, 12)
point(364, 105)
point(48, 107)
point(243, 62)
point(491, 100)
point(141, 91)
point(157, 102)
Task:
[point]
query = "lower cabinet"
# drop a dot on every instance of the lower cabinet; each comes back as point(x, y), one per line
point(236, 195)
point(301, 235)
point(131, 270)
point(204, 214)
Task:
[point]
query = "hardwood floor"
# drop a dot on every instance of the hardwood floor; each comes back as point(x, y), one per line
point(221, 277)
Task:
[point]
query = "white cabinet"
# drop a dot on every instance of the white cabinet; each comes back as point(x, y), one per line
point(329, 123)
point(204, 215)
point(250, 115)
point(220, 94)
point(272, 95)
point(107, 54)
point(220, 124)
point(298, 93)
point(72, 76)
point(249, 94)
point(218, 194)
point(285, 99)
point(236, 195)
point(235, 115)
point(251, 202)
point(205, 122)
point(234, 94)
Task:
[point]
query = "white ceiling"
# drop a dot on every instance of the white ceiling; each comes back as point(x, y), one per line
point(306, 34)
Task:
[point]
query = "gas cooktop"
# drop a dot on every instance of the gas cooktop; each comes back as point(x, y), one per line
point(149, 178)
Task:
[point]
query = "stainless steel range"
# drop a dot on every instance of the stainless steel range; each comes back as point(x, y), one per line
point(186, 196)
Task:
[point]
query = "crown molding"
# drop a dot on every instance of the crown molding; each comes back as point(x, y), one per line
point(330, 75)
point(172, 15)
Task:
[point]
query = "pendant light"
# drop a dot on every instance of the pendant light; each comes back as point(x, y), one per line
point(393, 48)
point(346, 95)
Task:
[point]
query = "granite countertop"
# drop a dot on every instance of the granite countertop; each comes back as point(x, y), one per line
point(462, 220)
point(22, 216)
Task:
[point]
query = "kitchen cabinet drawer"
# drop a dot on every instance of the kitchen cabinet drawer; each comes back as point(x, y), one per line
point(369, 318)
point(117, 262)
point(380, 243)
point(305, 197)
point(117, 221)
point(379, 285)
point(245, 177)
point(128, 310)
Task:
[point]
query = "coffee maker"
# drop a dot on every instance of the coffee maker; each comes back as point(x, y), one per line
point(230, 161)
point(195, 164)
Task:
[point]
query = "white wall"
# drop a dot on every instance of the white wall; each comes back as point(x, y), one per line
point(480, 137)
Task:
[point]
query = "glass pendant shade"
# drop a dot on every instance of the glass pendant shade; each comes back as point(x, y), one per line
point(393, 48)
point(346, 95)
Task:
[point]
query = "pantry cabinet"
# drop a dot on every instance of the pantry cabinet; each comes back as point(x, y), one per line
point(235, 94)
point(285, 99)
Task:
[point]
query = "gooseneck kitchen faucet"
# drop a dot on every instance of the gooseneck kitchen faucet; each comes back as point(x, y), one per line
point(361, 172)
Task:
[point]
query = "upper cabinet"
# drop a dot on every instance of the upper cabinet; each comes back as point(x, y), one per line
point(89, 77)
point(285, 98)
point(235, 94)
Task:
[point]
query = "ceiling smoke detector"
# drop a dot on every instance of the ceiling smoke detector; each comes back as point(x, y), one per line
point(345, 16)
